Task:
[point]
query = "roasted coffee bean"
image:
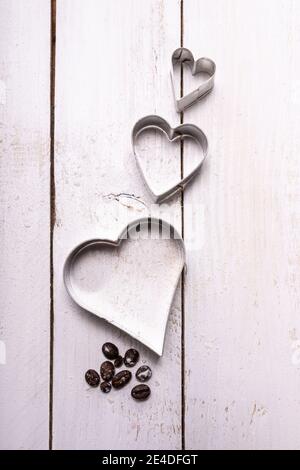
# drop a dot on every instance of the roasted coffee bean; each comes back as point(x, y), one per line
point(107, 371)
point(110, 350)
point(92, 377)
point(143, 374)
point(105, 387)
point(118, 362)
point(131, 357)
point(121, 379)
point(140, 392)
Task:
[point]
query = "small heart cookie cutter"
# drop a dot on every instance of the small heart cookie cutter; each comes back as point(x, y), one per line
point(153, 335)
point(181, 131)
point(204, 65)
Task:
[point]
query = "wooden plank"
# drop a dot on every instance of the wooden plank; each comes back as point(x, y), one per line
point(112, 68)
point(24, 202)
point(242, 300)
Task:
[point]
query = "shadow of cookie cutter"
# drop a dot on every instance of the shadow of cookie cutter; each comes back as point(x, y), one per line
point(204, 65)
point(181, 131)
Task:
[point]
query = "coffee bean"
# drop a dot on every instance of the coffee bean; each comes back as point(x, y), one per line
point(131, 357)
point(143, 374)
point(140, 392)
point(92, 377)
point(121, 379)
point(110, 350)
point(107, 371)
point(118, 362)
point(105, 387)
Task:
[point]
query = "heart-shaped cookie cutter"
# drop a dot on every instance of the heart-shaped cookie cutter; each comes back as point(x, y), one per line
point(204, 65)
point(154, 339)
point(181, 131)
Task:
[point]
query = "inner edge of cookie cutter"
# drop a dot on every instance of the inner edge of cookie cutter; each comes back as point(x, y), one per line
point(181, 56)
point(68, 265)
point(181, 131)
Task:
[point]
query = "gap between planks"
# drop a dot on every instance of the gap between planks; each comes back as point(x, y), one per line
point(182, 233)
point(52, 206)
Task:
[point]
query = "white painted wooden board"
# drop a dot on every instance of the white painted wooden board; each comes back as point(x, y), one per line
point(242, 288)
point(112, 67)
point(24, 228)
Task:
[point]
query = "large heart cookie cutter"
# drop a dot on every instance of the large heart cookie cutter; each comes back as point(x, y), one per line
point(129, 281)
point(204, 65)
point(181, 131)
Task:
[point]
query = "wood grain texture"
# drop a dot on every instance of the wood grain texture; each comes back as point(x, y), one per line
point(112, 68)
point(241, 294)
point(24, 207)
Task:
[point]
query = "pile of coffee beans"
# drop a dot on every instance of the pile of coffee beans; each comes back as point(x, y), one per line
point(118, 380)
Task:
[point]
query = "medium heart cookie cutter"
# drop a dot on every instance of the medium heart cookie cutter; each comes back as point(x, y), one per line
point(135, 282)
point(181, 131)
point(204, 65)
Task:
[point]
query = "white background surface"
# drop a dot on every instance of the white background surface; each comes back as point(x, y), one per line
point(230, 374)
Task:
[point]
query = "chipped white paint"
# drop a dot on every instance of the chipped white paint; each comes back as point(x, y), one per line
point(242, 292)
point(24, 228)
